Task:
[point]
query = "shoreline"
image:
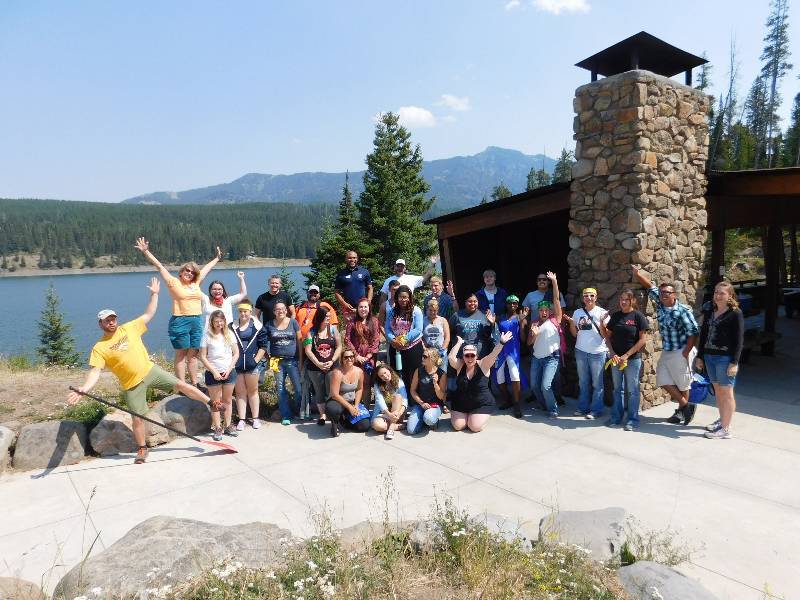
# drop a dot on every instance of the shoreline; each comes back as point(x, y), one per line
point(256, 263)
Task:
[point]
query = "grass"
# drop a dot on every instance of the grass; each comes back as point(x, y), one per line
point(662, 546)
point(463, 559)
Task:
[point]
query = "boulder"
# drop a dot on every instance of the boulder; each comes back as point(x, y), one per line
point(600, 531)
point(179, 412)
point(6, 440)
point(50, 444)
point(113, 434)
point(164, 551)
point(645, 580)
point(19, 589)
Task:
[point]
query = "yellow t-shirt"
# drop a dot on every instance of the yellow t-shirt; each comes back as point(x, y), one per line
point(124, 354)
point(187, 299)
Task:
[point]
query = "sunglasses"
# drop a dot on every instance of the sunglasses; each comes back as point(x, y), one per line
point(590, 295)
point(348, 357)
point(541, 279)
point(312, 292)
point(469, 355)
point(666, 293)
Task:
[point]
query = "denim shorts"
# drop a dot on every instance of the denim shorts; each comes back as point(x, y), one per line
point(211, 382)
point(185, 332)
point(717, 369)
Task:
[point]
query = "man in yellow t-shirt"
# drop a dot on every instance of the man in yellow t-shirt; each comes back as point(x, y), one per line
point(122, 351)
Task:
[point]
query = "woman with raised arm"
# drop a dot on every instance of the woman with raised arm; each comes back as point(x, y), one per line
point(428, 391)
point(473, 402)
point(345, 406)
point(719, 351)
point(547, 340)
point(251, 339)
point(218, 299)
point(285, 343)
point(322, 349)
point(186, 324)
point(219, 353)
point(363, 336)
point(391, 401)
point(626, 335)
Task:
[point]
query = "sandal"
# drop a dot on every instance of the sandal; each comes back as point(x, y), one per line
point(141, 455)
point(321, 421)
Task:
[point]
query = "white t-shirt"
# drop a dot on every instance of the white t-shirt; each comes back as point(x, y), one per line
point(589, 339)
point(490, 298)
point(218, 352)
point(548, 340)
point(412, 281)
point(533, 298)
point(227, 307)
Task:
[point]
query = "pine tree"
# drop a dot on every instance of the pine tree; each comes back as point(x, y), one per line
point(791, 147)
point(775, 65)
point(531, 182)
point(501, 191)
point(4, 264)
point(537, 178)
point(337, 238)
point(391, 207)
point(563, 168)
point(704, 78)
point(56, 345)
point(756, 118)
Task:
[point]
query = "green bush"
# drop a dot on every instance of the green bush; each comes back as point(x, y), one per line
point(88, 412)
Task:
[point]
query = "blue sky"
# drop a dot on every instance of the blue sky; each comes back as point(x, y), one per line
point(106, 100)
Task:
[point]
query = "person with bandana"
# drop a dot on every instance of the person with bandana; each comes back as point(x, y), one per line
point(218, 299)
point(251, 338)
point(591, 354)
point(547, 341)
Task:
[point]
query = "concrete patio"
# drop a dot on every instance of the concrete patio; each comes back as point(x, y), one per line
point(738, 500)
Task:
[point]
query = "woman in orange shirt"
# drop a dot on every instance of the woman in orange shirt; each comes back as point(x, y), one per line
point(186, 324)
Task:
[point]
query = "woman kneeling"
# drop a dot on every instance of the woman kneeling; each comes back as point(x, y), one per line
point(428, 387)
point(473, 402)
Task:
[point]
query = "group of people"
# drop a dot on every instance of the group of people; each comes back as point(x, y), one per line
point(440, 358)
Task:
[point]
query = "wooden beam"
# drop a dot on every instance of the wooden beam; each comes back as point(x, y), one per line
point(447, 261)
point(772, 254)
point(519, 211)
point(717, 256)
point(765, 182)
point(729, 211)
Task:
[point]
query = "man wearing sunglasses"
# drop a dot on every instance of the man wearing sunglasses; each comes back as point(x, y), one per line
point(679, 331)
point(542, 292)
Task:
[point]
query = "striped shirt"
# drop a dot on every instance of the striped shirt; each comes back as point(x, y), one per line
point(675, 323)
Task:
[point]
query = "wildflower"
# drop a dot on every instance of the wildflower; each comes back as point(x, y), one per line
point(80, 598)
point(311, 564)
point(655, 594)
point(299, 584)
point(271, 575)
point(96, 591)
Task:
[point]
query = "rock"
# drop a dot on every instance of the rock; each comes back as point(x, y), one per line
point(19, 589)
point(50, 444)
point(113, 434)
point(181, 413)
point(163, 551)
point(6, 440)
point(582, 168)
point(600, 531)
point(646, 580)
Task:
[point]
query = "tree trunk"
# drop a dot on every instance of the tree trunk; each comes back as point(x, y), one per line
point(794, 260)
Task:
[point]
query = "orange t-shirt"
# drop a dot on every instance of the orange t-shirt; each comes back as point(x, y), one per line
point(304, 314)
point(187, 299)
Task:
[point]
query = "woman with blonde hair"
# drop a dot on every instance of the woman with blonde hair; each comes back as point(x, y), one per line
point(428, 390)
point(391, 400)
point(186, 323)
point(435, 329)
point(219, 353)
point(719, 351)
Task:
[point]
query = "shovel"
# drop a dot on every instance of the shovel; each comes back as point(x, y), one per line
point(224, 446)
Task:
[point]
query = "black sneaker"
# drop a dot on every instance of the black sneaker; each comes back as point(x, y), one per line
point(560, 401)
point(688, 413)
point(517, 411)
point(676, 417)
point(334, 429)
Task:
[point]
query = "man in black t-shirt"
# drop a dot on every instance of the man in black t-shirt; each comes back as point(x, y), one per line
point(266, 301)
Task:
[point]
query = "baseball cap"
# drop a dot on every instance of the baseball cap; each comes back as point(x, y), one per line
point(313, 287)
point(400, 261)
point(105, 313)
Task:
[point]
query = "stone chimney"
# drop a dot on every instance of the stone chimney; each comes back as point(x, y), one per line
point(637, 194)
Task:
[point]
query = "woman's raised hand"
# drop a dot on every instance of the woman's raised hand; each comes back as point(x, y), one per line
point(219, 253)
point(490, 316)
point(551, 276)
point(506, 337)
point(142, 245)
point(240, 274)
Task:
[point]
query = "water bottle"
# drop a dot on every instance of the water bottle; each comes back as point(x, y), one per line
point(398, 362)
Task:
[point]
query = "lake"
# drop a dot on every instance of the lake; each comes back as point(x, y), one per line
point(82, 296)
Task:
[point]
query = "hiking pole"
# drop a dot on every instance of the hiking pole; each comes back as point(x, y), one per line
point(222, 445)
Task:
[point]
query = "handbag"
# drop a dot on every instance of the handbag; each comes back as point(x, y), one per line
point(363, 413)
point(701, 388)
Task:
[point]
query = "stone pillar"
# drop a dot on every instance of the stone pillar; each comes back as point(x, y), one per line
point(638, 193)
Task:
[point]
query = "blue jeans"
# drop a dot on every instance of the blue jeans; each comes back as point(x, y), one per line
point(418, 416)
point(543, 373)
point(590, 380)
point(288, 368)
point(626, 382)
point(717, 369)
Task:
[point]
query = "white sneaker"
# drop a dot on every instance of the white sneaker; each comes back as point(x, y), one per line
point(714, 426)
point(589, 416)
point(240, 425)
point(256, 423)
point(719, 434)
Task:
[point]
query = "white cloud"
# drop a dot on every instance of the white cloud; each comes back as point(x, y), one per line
point(454, 102)
point(558, 6)
point(449, 119)
point(415, 116)
point(512, 4)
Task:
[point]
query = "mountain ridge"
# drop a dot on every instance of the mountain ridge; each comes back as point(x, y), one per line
point(457, 182)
